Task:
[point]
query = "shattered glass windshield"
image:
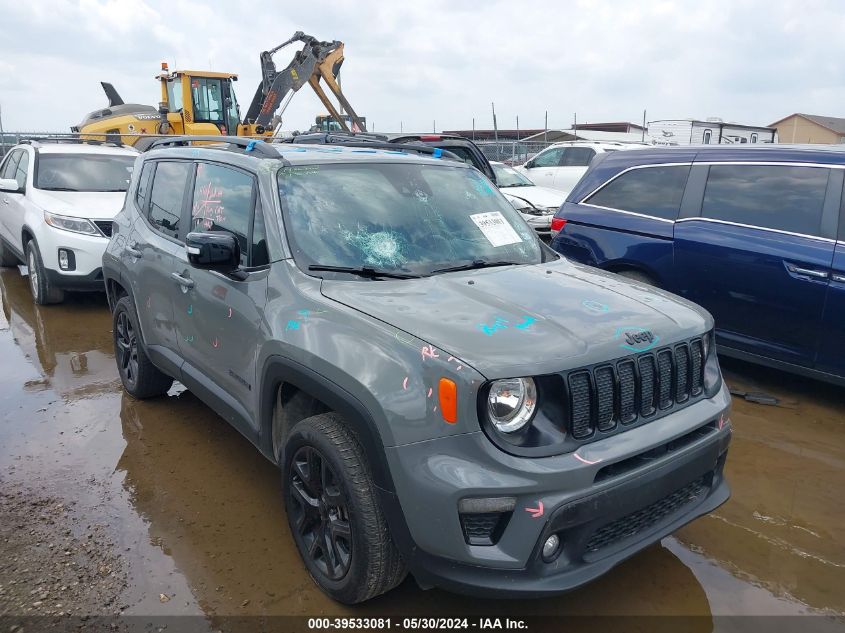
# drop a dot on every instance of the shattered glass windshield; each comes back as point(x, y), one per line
point(412, 218)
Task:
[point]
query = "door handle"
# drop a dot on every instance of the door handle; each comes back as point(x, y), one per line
point(810, 272)
point(185, 282)
point(131, 250)
point(838, 277)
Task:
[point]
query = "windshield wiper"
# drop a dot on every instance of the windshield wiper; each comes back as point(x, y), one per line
point(476, 263)
point(58, 189)
point(364, 271)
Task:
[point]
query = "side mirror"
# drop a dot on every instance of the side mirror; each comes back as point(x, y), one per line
point(215, 250)
point(529, 164)
point(9, 185)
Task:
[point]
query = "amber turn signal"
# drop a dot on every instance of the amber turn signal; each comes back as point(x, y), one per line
point(448, 393)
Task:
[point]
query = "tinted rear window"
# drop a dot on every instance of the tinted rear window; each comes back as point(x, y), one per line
point(655, 191)
point(83, 172)
point(770, 196)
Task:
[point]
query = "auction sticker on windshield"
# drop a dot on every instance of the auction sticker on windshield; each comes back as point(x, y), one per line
point(496, 229)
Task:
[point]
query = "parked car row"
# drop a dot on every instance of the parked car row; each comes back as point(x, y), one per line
point(444, 394)
point(753, 234)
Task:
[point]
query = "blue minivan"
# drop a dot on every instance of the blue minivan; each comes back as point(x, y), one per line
point(754, 234)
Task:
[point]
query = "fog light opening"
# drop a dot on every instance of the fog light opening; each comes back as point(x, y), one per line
point(551, 548)
point(64, 260)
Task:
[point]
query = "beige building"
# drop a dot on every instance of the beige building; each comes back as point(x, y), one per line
point(809, 128)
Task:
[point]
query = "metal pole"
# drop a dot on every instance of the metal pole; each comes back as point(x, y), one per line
point(434, 126)
point(495, 127)
point(473, 128)
point(546, 128)
point(643, 126)
point(575, 125)
point(517, 128)
point(401, 126)
point(2, 135)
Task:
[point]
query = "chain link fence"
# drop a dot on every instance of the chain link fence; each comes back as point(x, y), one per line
point(9, 139)
point(511, 152)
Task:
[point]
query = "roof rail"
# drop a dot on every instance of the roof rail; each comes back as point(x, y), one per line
point(350, 140)
point(248, 144)
point(35, 141)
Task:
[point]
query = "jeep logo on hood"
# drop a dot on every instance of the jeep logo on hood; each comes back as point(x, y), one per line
point(636, 339)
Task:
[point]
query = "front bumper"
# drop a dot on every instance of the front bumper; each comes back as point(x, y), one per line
point(92, 282)
point(617, 497)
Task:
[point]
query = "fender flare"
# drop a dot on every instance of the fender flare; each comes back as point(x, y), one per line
point(280, 369)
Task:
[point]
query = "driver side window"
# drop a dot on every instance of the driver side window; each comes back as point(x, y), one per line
point(550, 158)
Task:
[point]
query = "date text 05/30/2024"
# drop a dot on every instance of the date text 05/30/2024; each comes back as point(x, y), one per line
point(413, 624)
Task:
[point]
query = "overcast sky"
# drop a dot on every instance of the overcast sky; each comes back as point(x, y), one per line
point(442, 60)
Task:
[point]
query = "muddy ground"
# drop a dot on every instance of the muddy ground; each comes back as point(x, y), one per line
point(159, 508)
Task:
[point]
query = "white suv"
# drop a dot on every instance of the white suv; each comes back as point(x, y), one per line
point(561, 165)
point(57, 201)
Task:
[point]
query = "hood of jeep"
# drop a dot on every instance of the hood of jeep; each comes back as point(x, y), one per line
point(527, 320)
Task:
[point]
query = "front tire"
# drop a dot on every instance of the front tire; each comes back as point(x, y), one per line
point(334, 514)
point(43, 292)
point(139, 376)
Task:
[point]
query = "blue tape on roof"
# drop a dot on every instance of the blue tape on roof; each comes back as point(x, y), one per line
point(250, 146)
point(437, 152)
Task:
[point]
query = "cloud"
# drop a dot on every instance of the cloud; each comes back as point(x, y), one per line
point(747, 60)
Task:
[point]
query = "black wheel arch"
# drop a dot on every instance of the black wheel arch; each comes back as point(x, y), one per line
point(279, 371)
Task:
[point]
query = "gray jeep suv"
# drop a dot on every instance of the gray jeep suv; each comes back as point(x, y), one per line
point(444, 394)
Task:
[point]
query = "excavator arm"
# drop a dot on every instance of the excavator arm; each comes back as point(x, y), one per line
point(316, 61)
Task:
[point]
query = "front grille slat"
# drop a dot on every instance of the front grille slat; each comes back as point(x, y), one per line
point(627, 392)
point(606, 396)
point(580, 402)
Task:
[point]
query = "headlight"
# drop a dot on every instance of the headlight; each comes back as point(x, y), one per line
point(511, 403)
point(712, 372)
point(75, 225)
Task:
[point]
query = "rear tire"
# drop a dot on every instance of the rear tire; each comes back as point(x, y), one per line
point(333, 512)
point(139, 376)
point(636, 275)
point(43, 292)
point(7, 257)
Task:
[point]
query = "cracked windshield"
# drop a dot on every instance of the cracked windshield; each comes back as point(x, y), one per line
point(401, 217)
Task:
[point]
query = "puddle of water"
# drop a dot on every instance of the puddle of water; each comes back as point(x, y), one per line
point(196, 512)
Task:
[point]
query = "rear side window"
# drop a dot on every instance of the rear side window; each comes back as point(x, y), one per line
point(550, 158)
point(578, 156)
point(223, 202)
point(655, 191)
point(769, 196)
point(168, 196)
point(143, 191)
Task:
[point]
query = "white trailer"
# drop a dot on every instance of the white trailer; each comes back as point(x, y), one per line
point(709, 132)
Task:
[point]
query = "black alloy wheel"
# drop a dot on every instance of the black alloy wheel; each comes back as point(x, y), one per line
point(127, 349)
point(320, 513)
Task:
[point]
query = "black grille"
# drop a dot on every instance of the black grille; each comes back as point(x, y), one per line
point(579, 400)
point(104, 226)
point(483, 528)
point(664, 378)
point(634, 388)
point(647, 517)
point(604, 390)
point(647, 382)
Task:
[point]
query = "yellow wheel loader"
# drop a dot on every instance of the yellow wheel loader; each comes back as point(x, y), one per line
point(204, 103)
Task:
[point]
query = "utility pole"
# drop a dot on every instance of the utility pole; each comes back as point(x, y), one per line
point(434, 126)
point(644, 126)
point(401, 126)
point(473, 128)
point(495, 127)
point(2, 135)
point(575, 125)
point(546, 128)
point(517, 128)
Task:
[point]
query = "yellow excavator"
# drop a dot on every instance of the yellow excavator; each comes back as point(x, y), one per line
point(204, 103)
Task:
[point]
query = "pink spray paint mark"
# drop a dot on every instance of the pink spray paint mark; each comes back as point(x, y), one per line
point(586, 461)
point(537, 512)
point(215, 343)
point(405, 383)
point(430, 391)
point(428, 351)
point(230, 314)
